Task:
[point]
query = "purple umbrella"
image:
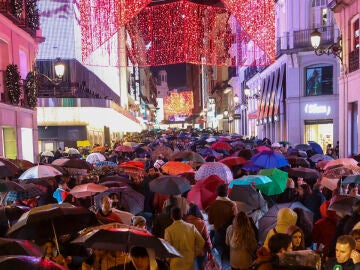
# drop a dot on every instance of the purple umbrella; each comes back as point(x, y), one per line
point(269, 159)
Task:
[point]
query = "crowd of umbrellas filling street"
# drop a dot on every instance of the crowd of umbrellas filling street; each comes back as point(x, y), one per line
point(156, 197)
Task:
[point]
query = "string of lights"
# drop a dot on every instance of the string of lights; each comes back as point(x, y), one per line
point(178, 32)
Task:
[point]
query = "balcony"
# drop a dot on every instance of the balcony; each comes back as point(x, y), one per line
point(354, 60)
point(6, 9)
point(302, 37)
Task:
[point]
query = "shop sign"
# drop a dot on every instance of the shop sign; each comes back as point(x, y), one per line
point(317, 109)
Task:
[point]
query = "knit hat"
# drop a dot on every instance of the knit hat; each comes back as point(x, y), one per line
point(138, 220)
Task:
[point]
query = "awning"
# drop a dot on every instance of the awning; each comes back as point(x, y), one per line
point(279, 93)
point(273, 95)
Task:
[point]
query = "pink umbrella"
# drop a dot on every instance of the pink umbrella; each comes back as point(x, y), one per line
point(263, 148)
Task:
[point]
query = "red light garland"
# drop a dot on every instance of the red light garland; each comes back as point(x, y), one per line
point(177, 32)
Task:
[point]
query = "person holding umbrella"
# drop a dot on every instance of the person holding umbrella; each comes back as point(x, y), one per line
point(105, 214)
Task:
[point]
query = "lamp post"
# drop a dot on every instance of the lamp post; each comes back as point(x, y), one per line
point(334, 49)
point(59, 70)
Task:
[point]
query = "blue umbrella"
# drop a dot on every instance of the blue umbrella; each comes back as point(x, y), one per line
point(269, 159)
point(316, 147)
point(250, 167)
point(209, 152)
point(250, 180)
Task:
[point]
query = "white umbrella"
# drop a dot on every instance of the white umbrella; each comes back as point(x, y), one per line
point(47, 154)
point(95, 157)
point(73, 151)
point(39, 171)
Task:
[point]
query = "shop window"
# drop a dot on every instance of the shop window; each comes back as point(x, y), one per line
point(319, 80)
point(9, 143)
point(355, 36)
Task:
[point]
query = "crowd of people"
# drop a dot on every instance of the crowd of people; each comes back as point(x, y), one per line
point(223, 234)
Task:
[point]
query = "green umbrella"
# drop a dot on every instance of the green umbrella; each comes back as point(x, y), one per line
point(278, 184)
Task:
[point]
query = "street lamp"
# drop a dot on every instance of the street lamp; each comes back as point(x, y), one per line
point(334, 49)
point(59, 68)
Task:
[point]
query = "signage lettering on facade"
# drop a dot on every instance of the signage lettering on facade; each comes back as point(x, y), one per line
point(317, 109)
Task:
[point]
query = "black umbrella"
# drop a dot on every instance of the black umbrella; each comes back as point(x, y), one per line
point(248, 195)
point(29, 191)
point(50, 220)
point(28, 263)
point(10, 246)
point(342, 203)
point(352, 179)
point(305, 173)
point(170, 184)
point(123, 238)
point(6, 186)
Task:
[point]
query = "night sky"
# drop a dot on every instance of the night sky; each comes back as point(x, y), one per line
point(176, 74)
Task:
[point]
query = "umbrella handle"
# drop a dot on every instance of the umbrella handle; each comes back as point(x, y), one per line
point(55, 237)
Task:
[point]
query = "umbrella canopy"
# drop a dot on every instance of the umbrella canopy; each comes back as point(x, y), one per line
point(125, 237)
point(303, 147)
point(28, 263)
point(214, 168)
point(8, 168)
point(340, 171)
point(263, 148)
point(129, 199)
point(164, 150)
point(233, 161)
point(278, 183)
point(342, 204)
point(341, 161)
point(86, 190)
point(47, 154)
point(269, 159)
point(176, 167)
point(268, 221)
point(77, 164)
point(50, 220)
point(188, 156)
point(298, 161)
point(316, 147)
point(330, 183)
point(99, 149)
point(351, 179)
point(39, 171)
point(248, 195)
point(318, 157)
point(138, 164)
point(29, 191)
point(169, 184)
point(10, 246)
point(252, 180)
point(95, 157)
point(131, 144)
point(209, 152)
point(305, 173)
point(22, 163)
point(59, 161)
point(104, 163)
point(72, 151)
point(124, 148)
point(221, 146)
point(6, 185)
point(250, 167)
point(203, 193)
point(115, 178)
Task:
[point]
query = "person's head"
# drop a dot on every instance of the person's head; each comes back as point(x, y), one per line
point(140, 258)
point(304, 189)
point(139, 221)
point(176, 213)
point(356, 234)
point(49, 248)
point(280, 243)
point(353, 190)
point(345, 244)
point(297, 237)
point(105, 204)
point(241, 220)
point(194, 211)
point(114, 199)
point(356, 208)
point(222, 190)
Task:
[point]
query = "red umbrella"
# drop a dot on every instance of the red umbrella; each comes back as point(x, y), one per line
point(221, 146)
point(137, 164)
point(124, 148)
point(233, 161)
point(99, 149)
point(203, 193)
point(263, 148)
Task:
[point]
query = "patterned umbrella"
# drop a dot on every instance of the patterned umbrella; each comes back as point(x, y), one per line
point(341, 161)
point(39, 171)
point(95, 157)
point(166, 151)
point(124, 148)
point(29, 191)
point(214, 168)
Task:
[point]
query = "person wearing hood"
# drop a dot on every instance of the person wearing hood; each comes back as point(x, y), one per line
point(285, 218)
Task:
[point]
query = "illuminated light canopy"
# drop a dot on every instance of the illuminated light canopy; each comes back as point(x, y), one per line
point(178, 32)
point(178, 106)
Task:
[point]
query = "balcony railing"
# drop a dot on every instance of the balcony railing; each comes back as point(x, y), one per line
point(6, 8)
point(302, 37)
point(354, 60)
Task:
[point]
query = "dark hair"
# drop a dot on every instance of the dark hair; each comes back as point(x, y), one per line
point(195, 211)
point(279, 241)
point(222, 190)
point(138, 252)
point(176, 213)
point(347, 239)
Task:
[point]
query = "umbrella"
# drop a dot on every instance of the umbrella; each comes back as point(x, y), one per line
point(214, 168)
point(351, 179)
point(129, 199)
point(342, 204)
point(115, 178)
point(51, 220)
point(8, 168)
point(125, 237)
point(341, 161)
point(321, 164)
point(22, 163)
point(221, 146)
point(318, 157)
point(188, 156)
point(316, 147)
point(138, 164)
point(203, 193)
point(39, 171)
point(209, 152)
point(60, 161)
point(131, 144)
point(268, 221)
point(99, 149)
point(47, 154)
point(77, 164)
point(303, 147)
point(248, 195)
point(176, 167)
point(110, 184)
point(86, 190)
point(305, 173)
point(249, 166)
point(250, 180)
point(285, 143)
point(330, 183)
point(269, 159)
point(262, 148)
point(169, 184)
point(233, 161)
point(278, 183)
point(72, 151)
point(339, 171)
point(104, 163)
point(298, 161)
point(124, 148)
point(95, 157)
point(7, 185)
point(29, 191)
point(164, 150)
point(28, 263)
point(10, 246)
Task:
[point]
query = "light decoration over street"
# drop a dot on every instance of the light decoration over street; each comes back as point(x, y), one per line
point(178, 105)
point(177, 32)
